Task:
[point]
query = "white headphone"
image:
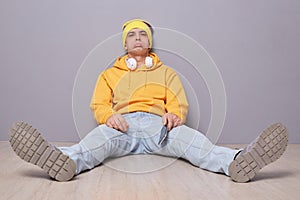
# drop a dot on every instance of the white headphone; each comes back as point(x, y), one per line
point(132, 65)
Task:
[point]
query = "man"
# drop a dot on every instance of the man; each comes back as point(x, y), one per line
point(132, 102)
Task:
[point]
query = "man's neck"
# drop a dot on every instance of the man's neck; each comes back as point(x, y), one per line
point(140, 60)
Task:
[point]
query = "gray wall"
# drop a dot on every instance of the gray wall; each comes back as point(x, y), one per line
point(255, 45)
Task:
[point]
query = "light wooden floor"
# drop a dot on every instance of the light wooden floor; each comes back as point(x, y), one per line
point(169, 179)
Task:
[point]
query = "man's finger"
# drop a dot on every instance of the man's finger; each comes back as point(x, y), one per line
point(115, 125)
point(108, 123)
point(122, 123)
point(177, 122)
point(164, 119)
point(118, 123)
point(170, 122)
point(112, 124)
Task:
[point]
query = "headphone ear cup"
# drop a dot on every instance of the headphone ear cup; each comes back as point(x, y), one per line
point(148, 61)
point(131, 63)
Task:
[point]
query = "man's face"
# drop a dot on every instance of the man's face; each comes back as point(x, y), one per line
point(137, 42)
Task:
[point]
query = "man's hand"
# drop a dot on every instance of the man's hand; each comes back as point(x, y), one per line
point(117, 122)
point(171, 120)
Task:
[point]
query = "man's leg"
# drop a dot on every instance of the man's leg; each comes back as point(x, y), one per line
point(240, 165)
point(187, 143)
point(101, 143)
point(62, 163)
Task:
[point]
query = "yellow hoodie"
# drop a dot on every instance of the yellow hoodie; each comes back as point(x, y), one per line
point(156, 90)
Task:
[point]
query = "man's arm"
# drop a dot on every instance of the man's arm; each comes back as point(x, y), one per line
point(101, 103)
point(176, 102)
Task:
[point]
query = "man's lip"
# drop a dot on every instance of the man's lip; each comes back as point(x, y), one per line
point(138, 45)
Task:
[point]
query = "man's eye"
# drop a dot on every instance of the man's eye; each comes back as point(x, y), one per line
point(143, 33)
point(130, 34)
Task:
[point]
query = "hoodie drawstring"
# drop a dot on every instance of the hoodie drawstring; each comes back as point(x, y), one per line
point(146, 79)
point(129, 79)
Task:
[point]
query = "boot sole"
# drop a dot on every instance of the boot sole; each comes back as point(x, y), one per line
point(30, 146)
point(270, 145)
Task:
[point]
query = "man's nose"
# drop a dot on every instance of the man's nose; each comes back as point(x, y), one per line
point(137, 37)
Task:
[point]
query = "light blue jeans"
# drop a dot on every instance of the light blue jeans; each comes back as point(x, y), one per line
point(142, 137)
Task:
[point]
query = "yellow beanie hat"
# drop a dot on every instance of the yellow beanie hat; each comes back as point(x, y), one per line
point(136, 23)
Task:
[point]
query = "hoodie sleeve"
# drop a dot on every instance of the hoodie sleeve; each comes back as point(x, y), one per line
point(176, 101)
point(101, 103)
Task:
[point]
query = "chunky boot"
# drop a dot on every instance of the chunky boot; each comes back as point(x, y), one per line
point(29, 145)
point(265, 149)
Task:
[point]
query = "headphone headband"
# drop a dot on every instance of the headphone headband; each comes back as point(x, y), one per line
point(132, 64)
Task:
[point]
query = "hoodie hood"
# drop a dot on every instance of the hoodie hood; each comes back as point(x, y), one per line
point(121, 63)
